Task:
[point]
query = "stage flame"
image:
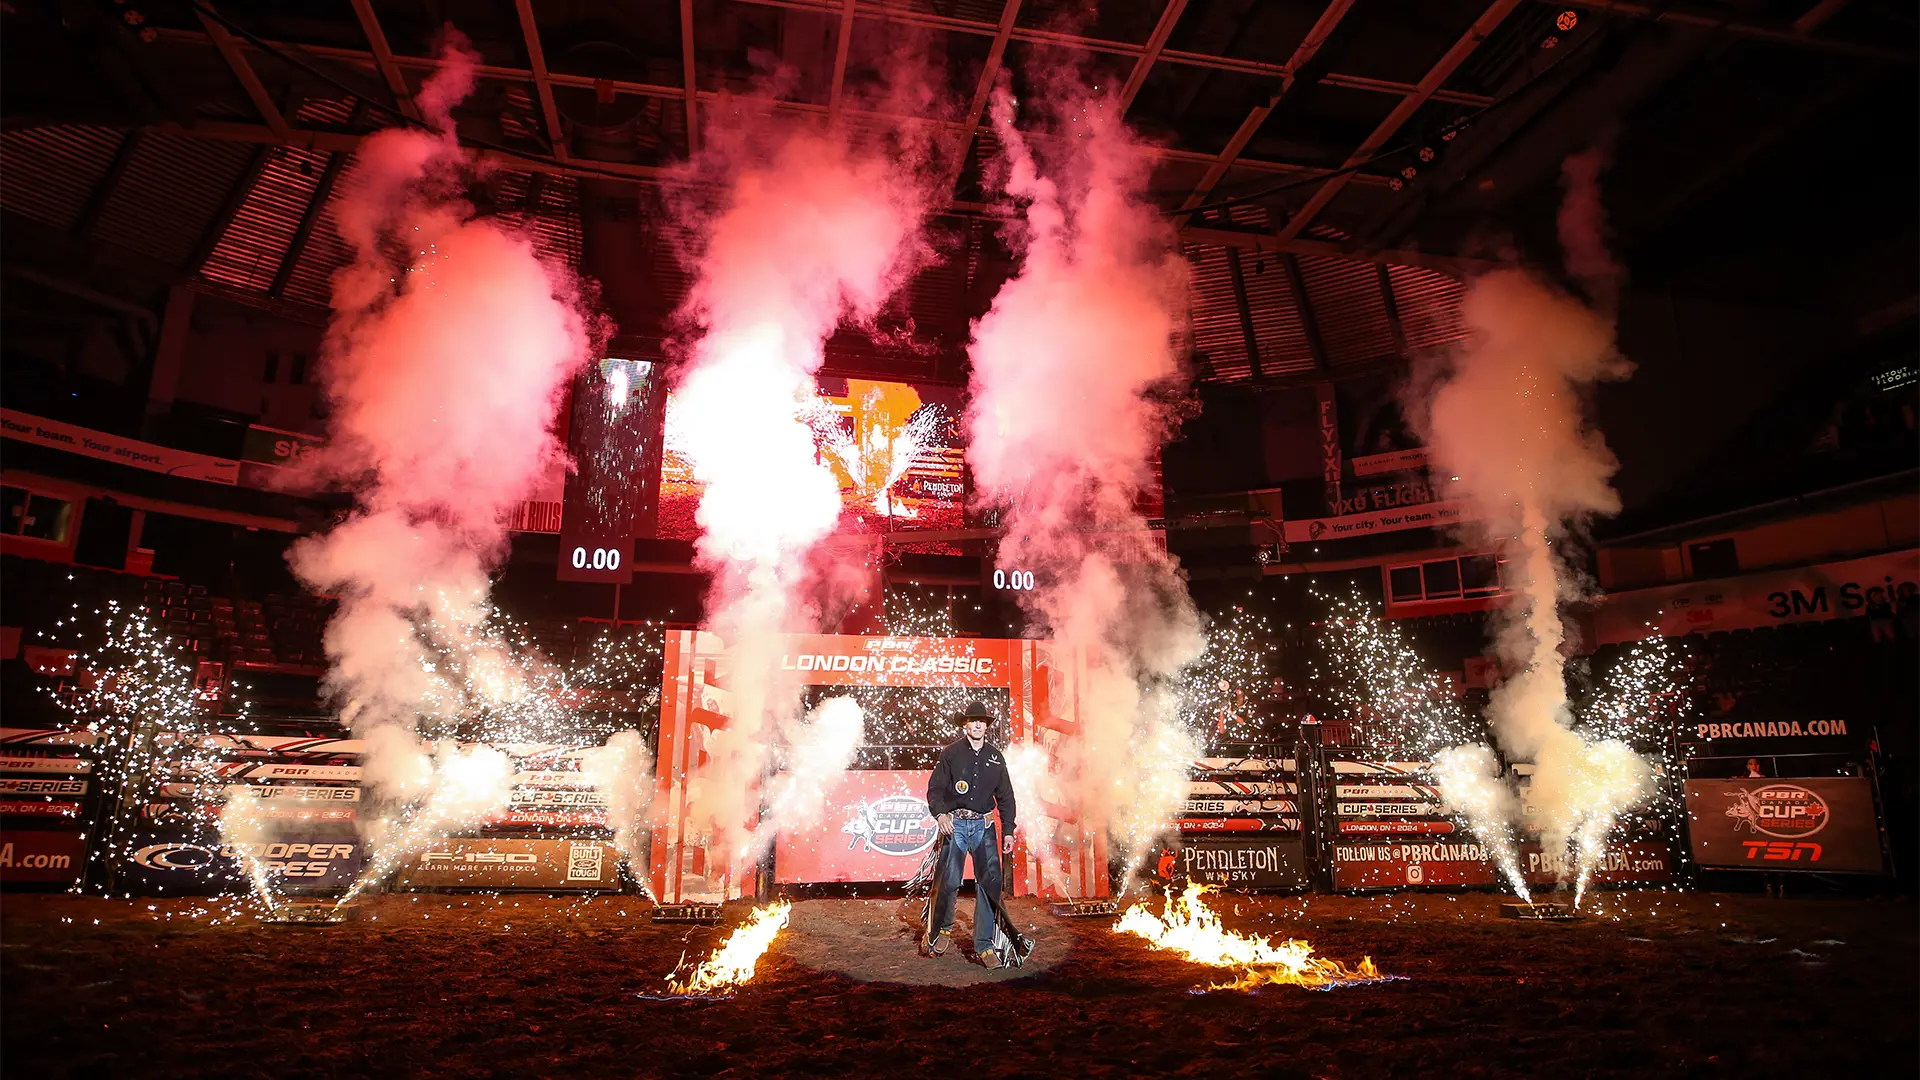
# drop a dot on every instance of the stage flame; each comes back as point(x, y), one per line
point(1192, 929)
point(732, 964)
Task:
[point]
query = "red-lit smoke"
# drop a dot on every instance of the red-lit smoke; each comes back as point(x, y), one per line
point(449, 345)
point(1076, 370)
point(808, 230)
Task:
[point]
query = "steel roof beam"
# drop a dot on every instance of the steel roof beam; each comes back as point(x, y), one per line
point(249, 79)
point(1794, 36)
point(1303, 53)
point(537, 60)
point(983, 90)
point(1156, 43)
point(383, 58)
point(840, 51)
point(1239, 278)
point(1442, 70)
point(1309, 322)
point(690, 90)
point(322, 191)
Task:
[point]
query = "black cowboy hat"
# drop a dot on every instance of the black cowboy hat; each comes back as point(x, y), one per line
point(976, 710)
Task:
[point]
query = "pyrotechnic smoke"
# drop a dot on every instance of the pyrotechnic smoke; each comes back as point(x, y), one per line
point(465, 785)
point(810, 229)
point(1509, 419)
point(450, 343)
point(819, 749)
point(622, 772)
point(1075, 370)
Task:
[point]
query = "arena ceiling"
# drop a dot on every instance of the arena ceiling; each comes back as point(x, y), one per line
point(1335, 166)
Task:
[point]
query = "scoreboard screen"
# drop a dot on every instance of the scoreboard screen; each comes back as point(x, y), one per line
point(613, 435)
point(894, 447)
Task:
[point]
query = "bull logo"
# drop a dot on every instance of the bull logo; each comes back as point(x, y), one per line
point(1787, 811)
point(896, 825)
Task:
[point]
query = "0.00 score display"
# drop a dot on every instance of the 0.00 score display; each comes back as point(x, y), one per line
point(598, 558)
point(1018, 580)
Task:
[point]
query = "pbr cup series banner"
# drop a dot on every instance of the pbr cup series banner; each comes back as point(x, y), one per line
point(876, 828)
point(1811, 823)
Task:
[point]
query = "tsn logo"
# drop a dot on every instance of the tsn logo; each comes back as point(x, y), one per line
point(1782, 850)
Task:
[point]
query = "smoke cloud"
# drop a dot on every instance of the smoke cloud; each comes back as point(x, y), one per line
point(809, 230)
point(1076, 375)
point(1508, 416)
point(450, 343)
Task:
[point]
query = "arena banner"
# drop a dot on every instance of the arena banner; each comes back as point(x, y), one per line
point(512, 864)
point(1432, 515)
point(1396, 827)
point(48, 786)
point(1835, 590)
point(876, 827)
point(39, 808)
point(1630, 863)
point(1732, 738)
point(1823, 823)
point(45, 737)
point(838, 660)
point(1390, 462)
point(1241, 863)
point(1268, 823)
point(117, 448)
point(68, 765)
point(196, 860)
point(1387, 865)
point(41, 857)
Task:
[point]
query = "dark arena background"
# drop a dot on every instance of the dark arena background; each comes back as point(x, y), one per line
point(506, 504)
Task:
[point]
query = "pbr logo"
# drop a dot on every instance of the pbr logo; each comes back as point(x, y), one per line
point(896, 825)
point(1787, 811)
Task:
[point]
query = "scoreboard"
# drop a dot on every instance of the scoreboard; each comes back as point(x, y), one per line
point(611, 495)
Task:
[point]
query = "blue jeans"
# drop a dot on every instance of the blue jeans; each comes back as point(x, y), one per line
point(978, 837)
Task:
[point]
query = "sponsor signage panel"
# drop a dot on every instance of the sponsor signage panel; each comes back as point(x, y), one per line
point(132, 452)
point(1399, 865)
point(1390, 462)
point(876, 828)
point(1236, 863)
point(197, 861)
point(1792, 735)
point(1386, 791)
point(834, 660)
point(1396, 828)
point(1387, 809)
point(39, 808)
point(1835, 590)
point(1238, 824)
point(41, 857)
point(1637, 863)
point(1433, 515)
point(69, 765)
point(1240, 806)
point(48, 786)
point(45, 737)
point(1811, 823)
point(1222, 789)
point(512, 864)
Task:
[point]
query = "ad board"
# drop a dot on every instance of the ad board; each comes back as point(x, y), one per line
point(1817, 824)
point(876, 827)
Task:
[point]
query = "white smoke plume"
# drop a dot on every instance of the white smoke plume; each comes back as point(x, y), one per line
point(1508, 416)
point(819, 749)
point(1075, 372)
point(622, 772)
point(810, 229)
point(449, 346)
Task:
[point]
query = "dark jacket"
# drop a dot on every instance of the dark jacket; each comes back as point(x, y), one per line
point(985, 776)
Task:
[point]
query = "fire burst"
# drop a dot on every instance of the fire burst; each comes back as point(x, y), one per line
point(1192, 929)
point(731, 965)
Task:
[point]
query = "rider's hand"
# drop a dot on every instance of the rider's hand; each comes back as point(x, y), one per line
point(1006, 845)
point(946, 824)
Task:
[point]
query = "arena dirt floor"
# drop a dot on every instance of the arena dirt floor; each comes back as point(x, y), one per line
point(1653, 984)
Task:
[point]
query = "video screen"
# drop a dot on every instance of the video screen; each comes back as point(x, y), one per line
point(896, 449)
point(609, 497)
